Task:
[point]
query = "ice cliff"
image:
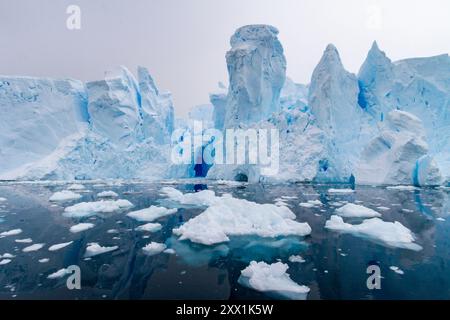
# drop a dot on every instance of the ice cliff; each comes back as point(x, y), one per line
point(111, 128)
point(257, 71)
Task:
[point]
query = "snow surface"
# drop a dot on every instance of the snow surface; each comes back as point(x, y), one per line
point(228, 216)
point(154, 248)
point(272, 278)
point(94, 249)
point(351, 210)
point(81, 227)
point(150, 214)
point(393, 234)
point(84, 209)
point(65, 195)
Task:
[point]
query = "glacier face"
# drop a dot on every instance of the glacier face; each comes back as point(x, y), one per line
point(257, 71)
point(112, 128)
point(346, 128)
point(420, 86)
point(36, 114)
point(389, 124)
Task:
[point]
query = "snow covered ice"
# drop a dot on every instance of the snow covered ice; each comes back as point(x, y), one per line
point(84, 209)
point(228, 216)
point(272, 278)
point(65, 195)
point(351, 210)
point(94, 249)
point(390, 233)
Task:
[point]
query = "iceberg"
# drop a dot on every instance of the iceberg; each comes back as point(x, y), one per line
point(272, 278)
point(393, 156)
point(393, 234)
point(257, 71)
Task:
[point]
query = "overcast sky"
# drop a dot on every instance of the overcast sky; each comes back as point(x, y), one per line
point(183, 42)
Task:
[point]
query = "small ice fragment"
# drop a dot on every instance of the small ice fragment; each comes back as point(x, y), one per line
point(59, 246)
point(396, 269)
point(149, 227)
point(81, 227)
point(298, 259)
point(107, 194)
point(154, 248)
point(33, 247)
point(94, 249)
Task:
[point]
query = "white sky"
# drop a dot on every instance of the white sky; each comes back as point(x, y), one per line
point(183, 42)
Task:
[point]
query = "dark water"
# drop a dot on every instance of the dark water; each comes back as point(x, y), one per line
point(335, 266)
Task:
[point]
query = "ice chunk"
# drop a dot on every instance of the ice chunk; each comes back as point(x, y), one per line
point(201, 198)
point(333, 190)
point(5, 261)
point(81, 227)
point(402, 188)
point(59, 274)
point(150, 214)
point(393, 234)
point(44, 260)
point(33, 247)
point(84, 209)
point(7, 256)
point(3, 199)
point(169, 251)
point(27, 240)
point(272, 278)
point(13, 232)
point(149, 227)
point(396, 269)
point(76, 187)
point(298, 259)
point(229, 216)
point(107, 194)
point(94, 249)
point(59, 246)
point(65, 195)
point(351, 210)
point(154, 248)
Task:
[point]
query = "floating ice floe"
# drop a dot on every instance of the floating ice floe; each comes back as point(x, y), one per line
point(169, 251)
point(44, 260)
point(107, 194)
point(3, 199)
point(229, 216)
point(7, 256)
point(59, 274)
point(306, 205)
point(272, 278)
point(59, 246)
point(65, 195)
point(343, 191)
point(94, 249)
point(76, 187)
point(81, 227)
point(150, 214)
point(440, 219)
point(84, 209)
point(407, 210)
point(154, 248)
point(393, 234)
point(402, 188)
point(298, 259)
point(383, 208)
point(149, 227)
point(13, 232)
point(5, 261)
point(201, 198)
point(27, 240)
point(396, 269)
point(351, 210)
point(33, 247)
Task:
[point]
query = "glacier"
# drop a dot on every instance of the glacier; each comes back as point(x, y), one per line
point(387, 124)
point(117, 127)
